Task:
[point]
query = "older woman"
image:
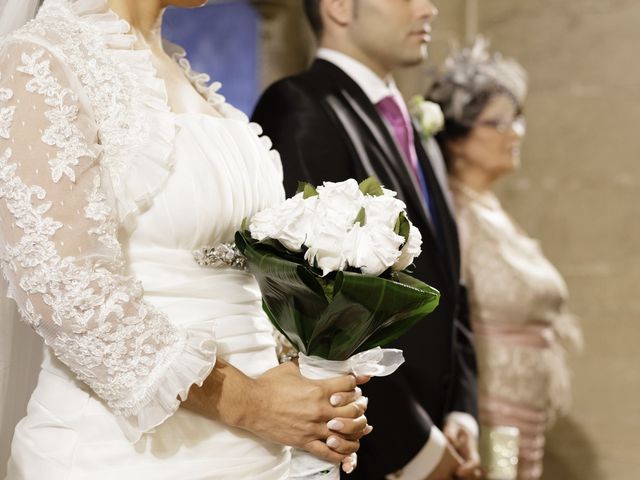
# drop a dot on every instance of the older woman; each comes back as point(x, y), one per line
point(518, 300)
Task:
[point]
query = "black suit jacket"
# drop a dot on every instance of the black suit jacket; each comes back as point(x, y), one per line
point(325, 128)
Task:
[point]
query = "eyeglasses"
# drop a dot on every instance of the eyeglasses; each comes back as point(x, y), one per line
point(518, 125)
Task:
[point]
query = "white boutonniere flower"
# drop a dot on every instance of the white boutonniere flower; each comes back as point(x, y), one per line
point(428, 116)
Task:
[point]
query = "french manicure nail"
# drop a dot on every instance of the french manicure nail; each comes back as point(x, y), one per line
point(335, 400)
point(334, 424)
point(332, 442)
point(358, 392)
point(348, 465)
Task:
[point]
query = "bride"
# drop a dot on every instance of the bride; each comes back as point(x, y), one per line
point(117, 163)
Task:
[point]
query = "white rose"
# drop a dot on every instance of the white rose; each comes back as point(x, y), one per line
point(372, 248)
point(383, 210)
point(412, 248)
point(288, 222)
point(325, 244)
point(342, 201)
point(428, 115)
point(389, 193)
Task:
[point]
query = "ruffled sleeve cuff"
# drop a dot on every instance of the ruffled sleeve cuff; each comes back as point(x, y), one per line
point(191, 363)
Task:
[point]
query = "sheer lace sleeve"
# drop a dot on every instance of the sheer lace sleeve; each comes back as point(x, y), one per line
point(61, 255)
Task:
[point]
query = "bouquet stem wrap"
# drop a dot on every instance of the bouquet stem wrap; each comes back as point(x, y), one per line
point(376, 362)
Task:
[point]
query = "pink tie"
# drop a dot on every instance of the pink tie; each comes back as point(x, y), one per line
point(390, 109)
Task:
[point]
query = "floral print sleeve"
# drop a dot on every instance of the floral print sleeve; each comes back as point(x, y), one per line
point(61, 253)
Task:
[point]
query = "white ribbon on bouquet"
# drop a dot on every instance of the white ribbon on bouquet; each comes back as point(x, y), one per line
point(377, 362)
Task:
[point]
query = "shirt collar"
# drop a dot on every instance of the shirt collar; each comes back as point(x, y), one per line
point(374, 87)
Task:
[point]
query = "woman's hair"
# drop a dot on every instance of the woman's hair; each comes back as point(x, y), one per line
point(469, 78)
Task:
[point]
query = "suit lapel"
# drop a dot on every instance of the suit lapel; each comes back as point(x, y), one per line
point(436, 161)
point(350, 101)
point(396, 162)
point(447, 222)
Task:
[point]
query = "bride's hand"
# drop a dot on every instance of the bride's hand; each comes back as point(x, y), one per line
point(284, 407)
point(323, 417)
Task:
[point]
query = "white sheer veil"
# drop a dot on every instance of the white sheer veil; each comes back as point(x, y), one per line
point(20, 347)
point(15, 13)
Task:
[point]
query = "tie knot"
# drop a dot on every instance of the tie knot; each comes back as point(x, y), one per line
point(390, 109)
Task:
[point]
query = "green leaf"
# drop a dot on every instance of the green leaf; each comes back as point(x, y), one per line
point(291, 293)
point(371, 186)
point(334, 318)
point(392, 306)
point(301, 186)
point(402, 227)
point(361, 218)
point(307, 189)
point(415, 101)
point(427, 299)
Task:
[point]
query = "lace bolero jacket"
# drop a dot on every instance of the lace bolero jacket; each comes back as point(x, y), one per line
point(86, 139)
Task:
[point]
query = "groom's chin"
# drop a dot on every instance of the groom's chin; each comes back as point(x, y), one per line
point(424, 51)
point(417, 59)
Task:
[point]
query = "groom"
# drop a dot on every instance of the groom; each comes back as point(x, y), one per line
point(343, 118)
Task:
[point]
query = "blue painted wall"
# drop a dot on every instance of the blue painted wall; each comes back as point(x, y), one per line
point(223, 41)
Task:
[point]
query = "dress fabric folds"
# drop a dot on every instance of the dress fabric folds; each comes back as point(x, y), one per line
point(104, 196)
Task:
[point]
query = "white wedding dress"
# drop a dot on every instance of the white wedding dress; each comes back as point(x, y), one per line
point(104, 196)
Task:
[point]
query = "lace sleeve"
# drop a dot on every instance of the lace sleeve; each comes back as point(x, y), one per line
point(61, 255)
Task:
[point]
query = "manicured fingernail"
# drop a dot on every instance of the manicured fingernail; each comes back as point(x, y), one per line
point(333, 442)
point(349, 463)
point(335, 400)
point(336, 425)
point(368, 429)
point(358, 392)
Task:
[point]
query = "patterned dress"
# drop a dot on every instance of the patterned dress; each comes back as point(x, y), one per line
point(518, 304)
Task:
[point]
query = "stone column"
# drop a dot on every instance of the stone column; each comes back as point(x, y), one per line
point(287, 41)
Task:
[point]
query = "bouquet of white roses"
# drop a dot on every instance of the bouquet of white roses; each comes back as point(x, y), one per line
point(331, 263)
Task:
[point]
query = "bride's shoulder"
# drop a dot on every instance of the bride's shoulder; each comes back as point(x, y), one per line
point(46, 30)
point(68, 29)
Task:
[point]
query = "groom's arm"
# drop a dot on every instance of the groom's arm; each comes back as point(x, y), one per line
point(461, 425)
point(465, 396)
point(405, 443)
point(311, 146)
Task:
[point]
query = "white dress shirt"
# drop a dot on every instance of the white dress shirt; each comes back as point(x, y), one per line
point(376, 88)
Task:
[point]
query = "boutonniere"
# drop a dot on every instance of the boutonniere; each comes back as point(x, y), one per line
point(428, 116)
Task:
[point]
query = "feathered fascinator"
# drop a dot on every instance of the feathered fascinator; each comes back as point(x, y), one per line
point(471, 73)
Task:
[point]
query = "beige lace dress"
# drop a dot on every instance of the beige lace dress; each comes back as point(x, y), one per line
point(518, 304)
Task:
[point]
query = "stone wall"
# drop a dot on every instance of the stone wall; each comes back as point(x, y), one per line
point(578, 192)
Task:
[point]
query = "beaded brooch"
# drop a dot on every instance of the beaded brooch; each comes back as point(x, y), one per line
point(222, 255)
